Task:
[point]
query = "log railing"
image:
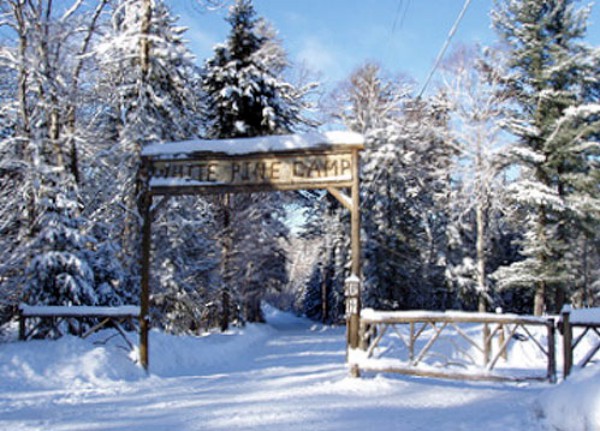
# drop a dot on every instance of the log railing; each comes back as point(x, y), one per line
point(584, 322)
point(425, 343)
point(56, 320)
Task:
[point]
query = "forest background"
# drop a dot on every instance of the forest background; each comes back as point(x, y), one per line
point(481, 193)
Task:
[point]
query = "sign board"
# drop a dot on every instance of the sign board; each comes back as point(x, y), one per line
point(281, 172)
point(290, 162)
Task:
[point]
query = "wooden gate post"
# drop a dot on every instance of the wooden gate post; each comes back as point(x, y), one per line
point(352, 299)
point(22, 327)
point(353, 283)
point(145, 279)
point(551, 350)
point(567, 333)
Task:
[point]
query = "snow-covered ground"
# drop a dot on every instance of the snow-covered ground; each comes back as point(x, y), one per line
point(286, 375)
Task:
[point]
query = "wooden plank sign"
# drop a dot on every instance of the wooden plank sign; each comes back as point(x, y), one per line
point(293, 171)
point(290, 162)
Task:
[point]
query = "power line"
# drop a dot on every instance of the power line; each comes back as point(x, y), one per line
point(445, 46)
point(400, 15)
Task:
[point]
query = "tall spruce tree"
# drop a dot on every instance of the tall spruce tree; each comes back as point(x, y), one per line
point(149, 88)
point(550, 80)
point(245, 96)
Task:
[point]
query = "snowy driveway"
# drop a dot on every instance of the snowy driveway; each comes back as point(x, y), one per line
point(283, 376)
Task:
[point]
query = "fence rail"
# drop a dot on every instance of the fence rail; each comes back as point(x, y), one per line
point(33, 318)
point(419, 333)
point(584, 321)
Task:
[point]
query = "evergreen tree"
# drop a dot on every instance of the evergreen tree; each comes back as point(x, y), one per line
point(60, 272)
point(329, 223)
point(404, 185)
point(149, 94)
point(246, 96)
point(245, 93)
point(551, 73)
point(185, 266)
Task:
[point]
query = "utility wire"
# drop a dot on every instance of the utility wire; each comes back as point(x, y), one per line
point(400, 15)
point(445, 46)
point(399, 18)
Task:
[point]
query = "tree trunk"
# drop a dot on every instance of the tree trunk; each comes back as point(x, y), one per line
point(23, 126)
point(225, 304)
point(226, 251)
point(480, 221)
point(70, 109)
point(253, 312)
point(539, 301)
point(481, 284)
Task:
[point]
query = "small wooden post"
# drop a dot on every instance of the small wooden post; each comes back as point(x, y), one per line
point(411, 343)
point(352, 292)
point(487, 345)
point(567, 332)
point(21, 325)
point(551, 351)
point(501, 336)
point(145, 279)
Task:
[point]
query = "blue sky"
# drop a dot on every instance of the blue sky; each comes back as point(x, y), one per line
point(336, 36)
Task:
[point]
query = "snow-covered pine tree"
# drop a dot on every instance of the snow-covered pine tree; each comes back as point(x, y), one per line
point(60, 272)
point(551, 73)
point(404, 185)
point(185, 266)
point(425, 162)
point(373, 107)
point(45, 55)
point(245, 96)
point(328, 223)
point(149, 93)
point(471, 82)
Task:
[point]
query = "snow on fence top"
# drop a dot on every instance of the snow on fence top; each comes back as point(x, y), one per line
point(374, 316)
point(583, 316)
point(261, 144)
point(78, 311)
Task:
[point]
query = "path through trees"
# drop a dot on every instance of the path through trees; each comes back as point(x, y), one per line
point(271, 163)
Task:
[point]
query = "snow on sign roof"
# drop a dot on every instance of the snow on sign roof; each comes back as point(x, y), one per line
point(262, 144)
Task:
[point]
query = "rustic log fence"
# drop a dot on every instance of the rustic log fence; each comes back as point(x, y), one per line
point(581, 322)
point(414, 335)
point(56, 320)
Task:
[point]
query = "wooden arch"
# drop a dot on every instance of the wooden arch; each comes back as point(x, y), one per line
point(327, 161)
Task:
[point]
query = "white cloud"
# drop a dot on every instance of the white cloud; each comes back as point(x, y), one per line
point(201, 42)
point(319, 57)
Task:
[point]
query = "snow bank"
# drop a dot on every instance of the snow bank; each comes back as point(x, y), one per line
point(103, 360)
point(68, 362)
point(574, 405)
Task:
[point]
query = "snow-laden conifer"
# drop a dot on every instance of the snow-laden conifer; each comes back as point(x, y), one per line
point(246, 95)
point(551, 76)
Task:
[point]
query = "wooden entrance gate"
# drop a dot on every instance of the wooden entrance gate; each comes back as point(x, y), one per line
point(327, 161)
